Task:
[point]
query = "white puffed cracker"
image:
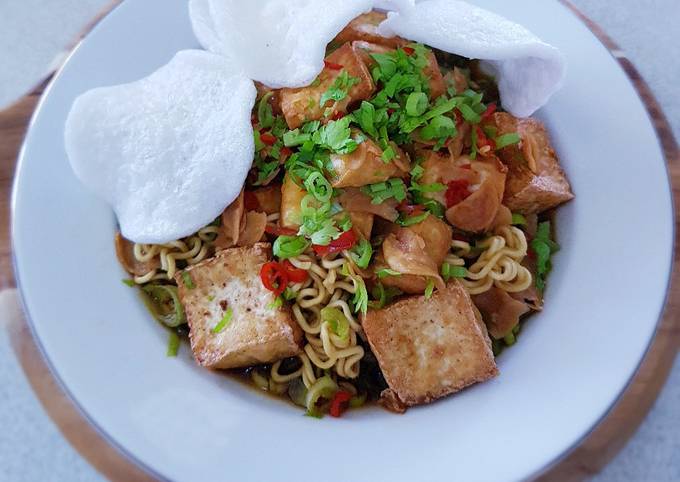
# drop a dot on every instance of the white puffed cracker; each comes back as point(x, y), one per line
point(169, 152)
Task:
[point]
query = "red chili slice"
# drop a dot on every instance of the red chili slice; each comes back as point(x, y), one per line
point(490, 109)
point(250, 201)
point(279, 231)
point(295, 275)
point(268, 139)
point(274, 277)
point(340, 403)
point(482, 140)
point(345, 241)
point(285, 152)
point(459, 118)
point(337, 115)
point(408, 50)
point(456, 192)
point(332, 65)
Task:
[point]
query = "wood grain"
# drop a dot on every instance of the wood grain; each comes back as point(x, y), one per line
point(588, 458)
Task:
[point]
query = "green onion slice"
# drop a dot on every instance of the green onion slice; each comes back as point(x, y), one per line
point(173, 344)
point(323, 389)
point(224, 322)
point(289, 246)
point(164, 304)
point(416, 104)
point(337, 321)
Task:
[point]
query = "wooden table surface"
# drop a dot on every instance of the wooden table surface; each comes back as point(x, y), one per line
point(586, 459)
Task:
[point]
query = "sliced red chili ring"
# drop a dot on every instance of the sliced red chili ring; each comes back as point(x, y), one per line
point(274, 277)
point(482, 140)
point(490, 109)
point(332, 65)
point(268, 139)
point(295, 275)
point(408, 50)
point(345, 241)
point(456, 192)
point(339, 403)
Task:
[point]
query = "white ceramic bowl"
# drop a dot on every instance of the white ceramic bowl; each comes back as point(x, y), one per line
point(185, 423)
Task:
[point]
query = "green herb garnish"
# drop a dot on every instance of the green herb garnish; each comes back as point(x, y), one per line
point(173, 344)
point(544, 248)
point(224, 322)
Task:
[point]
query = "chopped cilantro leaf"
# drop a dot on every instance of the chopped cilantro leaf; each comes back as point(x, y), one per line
point(340, 88)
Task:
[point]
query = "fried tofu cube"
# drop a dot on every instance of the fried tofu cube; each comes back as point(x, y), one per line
point(535, 181)
point(363, 166)
point(255, 332)
point(303, 104)
point(291, 200)
point(365, 27)
point(430, 348)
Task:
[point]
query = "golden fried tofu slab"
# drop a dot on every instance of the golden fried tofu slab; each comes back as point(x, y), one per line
point(429, 348)
point(535, 181)
point(344, 72)
point(231, 320)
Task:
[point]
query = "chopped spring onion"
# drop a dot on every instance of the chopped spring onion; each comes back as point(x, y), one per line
point(188, 282)
point(429, 289)
point(506, 140)
point(298, 392)
point(260, 380)
point(357, 400)
point(411, 220)
point(164, 304)
point(360, 299)
point(224, 322)
point(416, 104)
point(318, 186)
point(337, 321)
point(380, 192)
point(322, 390)
point(518, 220)
point(388, 154)
point(173, 344)
point(129, 282)
point(509, 339)
point(383, 295)
point(469, 114)
point(265, 115)
point(276, 304)
point(543, 247)
point(381, 273)
point(440, 127)
point(450, 271)
point(361, 253)
point(289, 246)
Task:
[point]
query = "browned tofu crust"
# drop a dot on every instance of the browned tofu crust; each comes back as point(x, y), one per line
point(535, 181)
point(302, 104)
point(430, 348)
point(257, 332)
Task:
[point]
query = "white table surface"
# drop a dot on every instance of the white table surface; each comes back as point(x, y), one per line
point(33, 33)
